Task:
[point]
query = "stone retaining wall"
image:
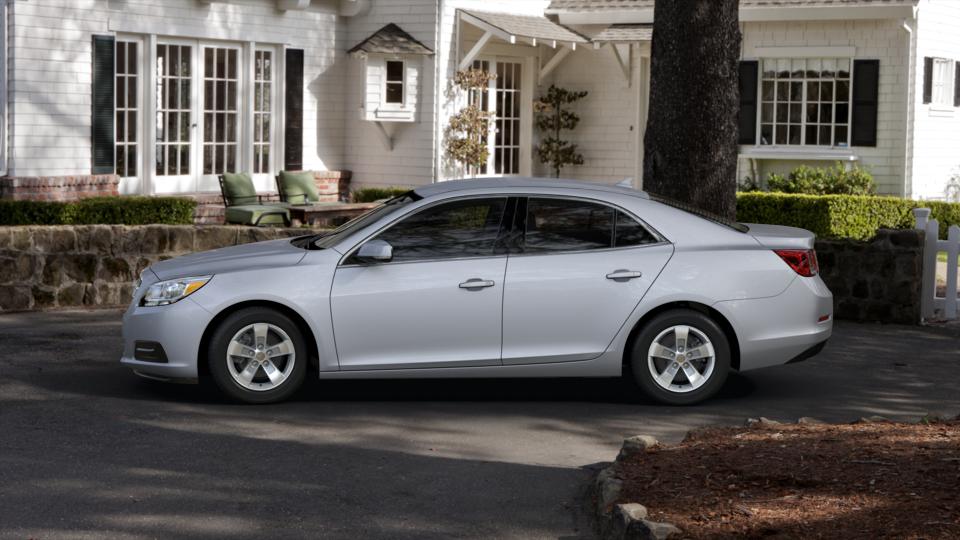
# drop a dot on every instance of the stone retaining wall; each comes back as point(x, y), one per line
point(96, 265)
point(44, 267)
point(877, 280)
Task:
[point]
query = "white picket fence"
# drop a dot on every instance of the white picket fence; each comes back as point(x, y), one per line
point(931, 304)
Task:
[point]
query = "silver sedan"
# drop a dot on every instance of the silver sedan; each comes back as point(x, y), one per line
point(506, 277)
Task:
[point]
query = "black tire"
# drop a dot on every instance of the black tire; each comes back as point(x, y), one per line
point(695, 319)
point(217, 355)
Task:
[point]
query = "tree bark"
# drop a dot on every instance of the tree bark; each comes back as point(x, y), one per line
point(690, 146)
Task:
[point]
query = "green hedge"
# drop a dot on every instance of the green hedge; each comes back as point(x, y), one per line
point(840, 216)
point(100, 210)
point(372, 194)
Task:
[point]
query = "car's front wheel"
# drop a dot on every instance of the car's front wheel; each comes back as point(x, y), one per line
point(257, 355)
point(681, 357)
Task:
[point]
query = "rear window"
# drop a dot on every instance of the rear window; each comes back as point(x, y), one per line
point(690, 209)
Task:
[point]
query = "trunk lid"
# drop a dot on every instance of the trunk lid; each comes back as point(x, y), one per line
point(781, 237)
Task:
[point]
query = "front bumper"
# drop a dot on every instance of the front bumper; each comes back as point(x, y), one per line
point(776, 330)
point(178, 328)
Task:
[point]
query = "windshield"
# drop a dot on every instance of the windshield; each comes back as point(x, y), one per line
point(690, 209)
point(330, 239)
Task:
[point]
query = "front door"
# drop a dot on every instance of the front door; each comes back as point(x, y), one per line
point(438, 303)
point(581, 270)
point(175, 119)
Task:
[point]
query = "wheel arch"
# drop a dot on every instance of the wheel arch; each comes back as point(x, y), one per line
point(717, 317)
point(203, 369)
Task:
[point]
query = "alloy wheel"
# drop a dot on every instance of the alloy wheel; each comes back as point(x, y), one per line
point(260, 357)
point(681, 359)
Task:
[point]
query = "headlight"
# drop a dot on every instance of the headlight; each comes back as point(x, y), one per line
point(168, 292)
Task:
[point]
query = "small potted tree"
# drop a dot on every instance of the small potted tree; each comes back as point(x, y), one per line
point(552, 119)
point(466, 134)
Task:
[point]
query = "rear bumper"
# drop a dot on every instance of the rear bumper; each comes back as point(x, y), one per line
point(780, 329)
point(176, 328)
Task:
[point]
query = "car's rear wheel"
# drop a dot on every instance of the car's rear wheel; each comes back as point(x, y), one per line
point(680, 357)
point(257, 355)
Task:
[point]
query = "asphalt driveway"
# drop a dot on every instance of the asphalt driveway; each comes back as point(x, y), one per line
point(87, 450)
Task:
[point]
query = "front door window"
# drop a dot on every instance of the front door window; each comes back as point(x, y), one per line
point(220, 110)
point(502, 98)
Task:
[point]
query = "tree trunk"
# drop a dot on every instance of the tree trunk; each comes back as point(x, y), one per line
point(690, 146)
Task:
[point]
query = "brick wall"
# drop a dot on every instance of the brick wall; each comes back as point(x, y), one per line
point(58, 188)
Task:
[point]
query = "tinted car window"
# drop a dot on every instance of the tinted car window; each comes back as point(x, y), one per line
point(467, 228)
point(630, 233)
point(564, 225)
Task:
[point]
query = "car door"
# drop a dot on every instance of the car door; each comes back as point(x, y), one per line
point(576, 274)
point(437, 303)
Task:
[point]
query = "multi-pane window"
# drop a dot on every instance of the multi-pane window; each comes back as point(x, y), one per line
point(174, 66)
point(481, 100)
point(506, 155)
point(262, 111)
point(220, 111)
point(126, 107)
point(943, 80)
point(805, 101)
point(394, 82)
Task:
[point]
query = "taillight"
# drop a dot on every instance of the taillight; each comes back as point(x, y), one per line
point(803, 261)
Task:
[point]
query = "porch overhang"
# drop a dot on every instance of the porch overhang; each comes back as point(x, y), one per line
point(532, 30)
point(641, 12)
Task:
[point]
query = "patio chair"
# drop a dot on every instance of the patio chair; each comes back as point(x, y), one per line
point(245, 207)
point(297, 187)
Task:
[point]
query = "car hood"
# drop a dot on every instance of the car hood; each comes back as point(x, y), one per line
point(258, 255)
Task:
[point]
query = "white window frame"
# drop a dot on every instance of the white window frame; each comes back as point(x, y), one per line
point(402, 82)
point(943, 80)
point(138, 110)
point(803, 105)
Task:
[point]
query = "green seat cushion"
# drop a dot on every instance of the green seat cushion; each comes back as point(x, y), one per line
point(238, 189)
point(248, 214)
point(298, 187)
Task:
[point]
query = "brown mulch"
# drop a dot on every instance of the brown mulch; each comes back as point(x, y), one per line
point(865, 480)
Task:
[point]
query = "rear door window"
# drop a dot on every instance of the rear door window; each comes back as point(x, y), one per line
point(555, 225)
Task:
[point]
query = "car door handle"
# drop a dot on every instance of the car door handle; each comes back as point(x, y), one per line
point(477, 283)
point(624, 275)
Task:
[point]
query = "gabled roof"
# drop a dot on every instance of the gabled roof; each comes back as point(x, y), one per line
point(525, 26)
point(391, 39)
point(557, 6)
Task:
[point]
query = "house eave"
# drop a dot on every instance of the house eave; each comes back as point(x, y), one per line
point(748, 14)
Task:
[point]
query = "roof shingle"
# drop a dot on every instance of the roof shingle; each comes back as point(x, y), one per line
point(528, 26)
point(557, 6)
point(391, 39)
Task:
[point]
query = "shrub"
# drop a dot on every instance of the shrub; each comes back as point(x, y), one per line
point(371, 194)
point(100, 210)
point(836, 180)
point(840, 216)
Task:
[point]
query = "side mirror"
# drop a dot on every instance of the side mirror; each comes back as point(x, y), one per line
point(375, 251)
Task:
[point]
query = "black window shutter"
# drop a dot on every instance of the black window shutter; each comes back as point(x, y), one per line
point(927, 79)
point(866, 81)
point(749, 71)
point(956, 84)
point(293, 134)
point(102, 132)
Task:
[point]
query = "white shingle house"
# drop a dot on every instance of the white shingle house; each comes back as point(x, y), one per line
point(166, 95)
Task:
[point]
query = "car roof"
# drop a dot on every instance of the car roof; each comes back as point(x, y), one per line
point(522, 182)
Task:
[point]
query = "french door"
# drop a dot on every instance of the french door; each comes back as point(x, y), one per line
point(214, 111)
point(508, 141)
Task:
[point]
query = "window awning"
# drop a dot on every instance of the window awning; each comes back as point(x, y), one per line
point(391, 39)
point(513, 28)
